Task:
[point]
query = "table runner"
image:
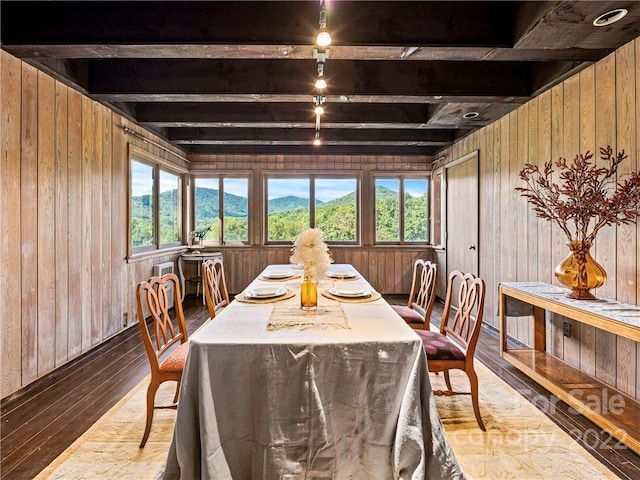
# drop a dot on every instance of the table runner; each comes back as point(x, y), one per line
point(290, 316)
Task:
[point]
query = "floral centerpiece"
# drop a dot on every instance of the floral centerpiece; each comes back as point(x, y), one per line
point(587, 198)
point(310, 250)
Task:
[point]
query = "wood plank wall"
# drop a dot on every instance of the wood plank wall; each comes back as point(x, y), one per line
point(64, 280)
point(597, 107)
point(66, 285)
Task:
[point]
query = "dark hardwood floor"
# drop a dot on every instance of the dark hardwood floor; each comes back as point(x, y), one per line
point(41, 421)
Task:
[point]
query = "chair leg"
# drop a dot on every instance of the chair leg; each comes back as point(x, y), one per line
point(447, 380)
point(151, 398)
point(175, 397)
point(473, 382)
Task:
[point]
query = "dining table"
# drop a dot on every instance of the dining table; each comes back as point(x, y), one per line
point(271, 391)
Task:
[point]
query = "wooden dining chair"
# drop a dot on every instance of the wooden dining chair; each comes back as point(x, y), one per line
point(422, 297)
point(454, 346)
point(215, 286)
point(167, 332)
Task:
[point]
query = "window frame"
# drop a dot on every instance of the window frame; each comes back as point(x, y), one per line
point(220, 175)
point(312, 177)
point(401, 177)
point(157, 164)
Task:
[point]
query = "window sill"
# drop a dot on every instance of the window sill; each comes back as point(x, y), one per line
point(139, 256)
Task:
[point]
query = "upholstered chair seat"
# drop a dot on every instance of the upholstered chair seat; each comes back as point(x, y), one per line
point(176, 359)
point(439, 347)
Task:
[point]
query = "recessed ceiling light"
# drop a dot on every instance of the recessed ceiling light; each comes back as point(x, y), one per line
point(437, 97)
point(470, 115)
point(344, 98)
point(610, 17)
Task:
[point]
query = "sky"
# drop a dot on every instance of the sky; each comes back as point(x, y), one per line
point(326, 189)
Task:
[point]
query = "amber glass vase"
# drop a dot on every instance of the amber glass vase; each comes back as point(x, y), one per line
point(309, 290)
point(580, 272)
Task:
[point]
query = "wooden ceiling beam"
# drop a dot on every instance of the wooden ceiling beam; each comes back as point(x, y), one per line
point(202, 114)
point(308, 149)
point(564, 24)
point(143, 77)
point(233, 135)
point(302, 52)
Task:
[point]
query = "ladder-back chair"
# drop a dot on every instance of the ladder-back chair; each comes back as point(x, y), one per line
point(422, 297)
point(454, 346)
point(215, 286)
point(167, 333)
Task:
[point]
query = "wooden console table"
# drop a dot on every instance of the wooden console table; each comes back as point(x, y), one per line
point(586, 394)
point(190, 257)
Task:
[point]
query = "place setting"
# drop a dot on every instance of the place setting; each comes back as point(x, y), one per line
point(342, 275)
point(279, 276)
point(351, 295)
point(265, 295)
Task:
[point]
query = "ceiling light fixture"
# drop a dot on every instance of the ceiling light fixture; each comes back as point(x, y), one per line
point(321, 54)
point(610, 17)
point(324, 37)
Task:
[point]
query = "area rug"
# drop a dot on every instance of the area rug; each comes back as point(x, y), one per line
point(520, 441)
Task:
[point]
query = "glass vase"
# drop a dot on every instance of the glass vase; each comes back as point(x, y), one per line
point(580, 272)
point(309, 290)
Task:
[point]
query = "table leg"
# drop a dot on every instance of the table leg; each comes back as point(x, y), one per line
point(503, 323)
point(539, 335)
point(181, 275)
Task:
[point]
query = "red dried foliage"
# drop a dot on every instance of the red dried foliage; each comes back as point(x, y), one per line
point(587, 198)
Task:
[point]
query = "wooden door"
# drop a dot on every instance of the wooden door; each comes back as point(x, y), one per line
point(462, 214)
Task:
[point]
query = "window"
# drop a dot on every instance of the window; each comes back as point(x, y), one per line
point(320, 201)
point(222, 204)
point(169, 208)
point(401, 209)
point(155, 204)
point(437, 198)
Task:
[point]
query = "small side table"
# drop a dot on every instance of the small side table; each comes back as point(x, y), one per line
point(190, 257)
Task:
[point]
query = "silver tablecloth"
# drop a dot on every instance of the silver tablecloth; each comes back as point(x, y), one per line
point(326, 403)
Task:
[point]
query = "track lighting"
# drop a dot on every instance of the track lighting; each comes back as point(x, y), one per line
point(320, 53)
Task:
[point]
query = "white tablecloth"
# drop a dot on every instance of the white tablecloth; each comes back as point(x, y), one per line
point(295, 403)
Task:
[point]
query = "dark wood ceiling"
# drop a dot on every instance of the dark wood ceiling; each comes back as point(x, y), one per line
point(237, 77)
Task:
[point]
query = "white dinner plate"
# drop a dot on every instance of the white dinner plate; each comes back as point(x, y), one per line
point(266, 292)
point(279, 275)
point(339, 274)
point(350, 293)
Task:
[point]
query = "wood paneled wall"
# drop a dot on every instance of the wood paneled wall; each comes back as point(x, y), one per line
point(65, 283)
point(597, 107)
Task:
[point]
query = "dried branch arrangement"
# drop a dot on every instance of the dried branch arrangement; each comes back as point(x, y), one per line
point(587, 197)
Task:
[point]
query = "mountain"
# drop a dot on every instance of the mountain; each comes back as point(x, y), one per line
point(348, 199)
point(384, 192)
point(290, 202)
point(207, 204)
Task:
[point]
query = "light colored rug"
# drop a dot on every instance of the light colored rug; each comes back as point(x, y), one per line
point(520, 442)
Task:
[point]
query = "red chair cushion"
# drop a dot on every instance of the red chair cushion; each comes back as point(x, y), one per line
point(176, 359)
point(408, 314)
point(439, 347)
